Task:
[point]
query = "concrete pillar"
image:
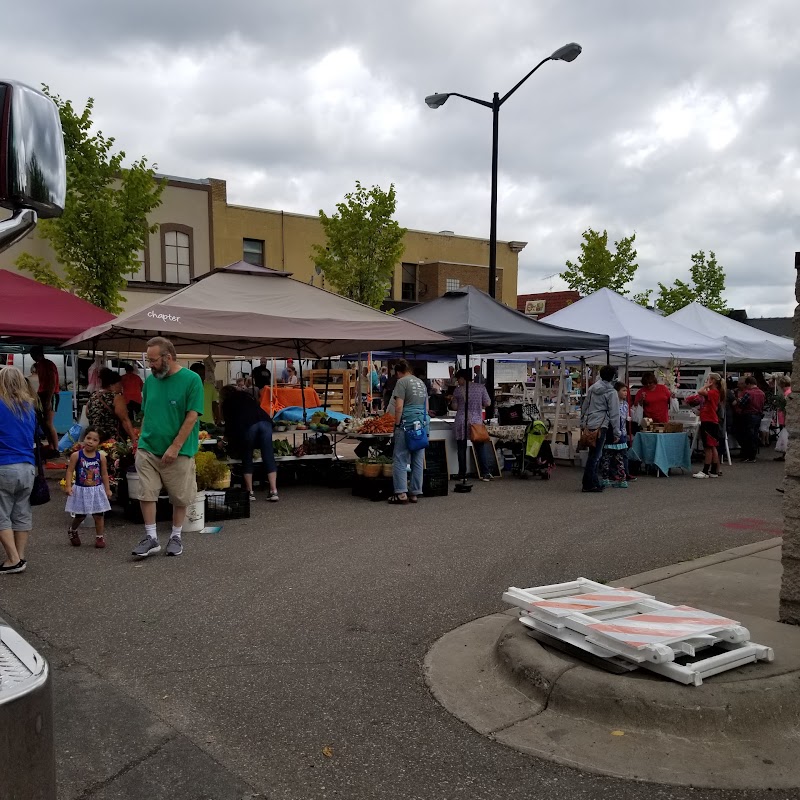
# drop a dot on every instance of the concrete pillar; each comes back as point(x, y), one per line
point(790, 585)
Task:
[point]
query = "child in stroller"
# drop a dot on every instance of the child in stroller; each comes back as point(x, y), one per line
point(535, 457)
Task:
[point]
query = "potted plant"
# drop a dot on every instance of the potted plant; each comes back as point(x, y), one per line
point(373, 468)
point(211, 472)
point(386, 466)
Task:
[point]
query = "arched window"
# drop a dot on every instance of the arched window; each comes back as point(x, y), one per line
point(177, 253)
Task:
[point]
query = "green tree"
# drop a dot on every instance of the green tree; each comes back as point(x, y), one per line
point(364, 245)
point(104, 223)
point(706, 287)
point(709, 281)
point(41, 270)
point(643, 298)
point(598, 267)
point(672, 298)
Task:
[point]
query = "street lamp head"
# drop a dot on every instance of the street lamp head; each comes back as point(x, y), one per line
point(569, 52)
point(436, 100)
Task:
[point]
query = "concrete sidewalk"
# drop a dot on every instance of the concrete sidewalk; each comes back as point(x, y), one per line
point(737, 731)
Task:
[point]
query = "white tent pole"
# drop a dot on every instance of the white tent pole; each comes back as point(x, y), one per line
point(559, 396)
point(725, 427)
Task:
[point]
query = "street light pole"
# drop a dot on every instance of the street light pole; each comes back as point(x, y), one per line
point(493, 202)
point(569, 52)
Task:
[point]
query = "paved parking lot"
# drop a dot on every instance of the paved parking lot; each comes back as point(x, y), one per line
point(227, 672)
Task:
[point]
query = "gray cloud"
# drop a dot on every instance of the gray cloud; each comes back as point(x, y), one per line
point(677, 121)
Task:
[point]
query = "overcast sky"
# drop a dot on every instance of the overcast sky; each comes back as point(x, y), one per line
point(679, 121)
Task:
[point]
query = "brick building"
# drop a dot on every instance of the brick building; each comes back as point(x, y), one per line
point(543, 304)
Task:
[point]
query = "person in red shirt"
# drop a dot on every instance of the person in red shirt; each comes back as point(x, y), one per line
point(749, 406)
point(47, 373)
point(712, 394)
point(654, 397)
point(132, 390)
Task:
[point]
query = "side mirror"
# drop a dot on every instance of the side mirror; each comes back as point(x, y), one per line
point(33, 174)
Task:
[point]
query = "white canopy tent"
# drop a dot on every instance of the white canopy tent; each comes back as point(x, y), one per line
point(743, 344)
point(638, 336)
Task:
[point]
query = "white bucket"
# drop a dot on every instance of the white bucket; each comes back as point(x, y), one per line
point(196, 514)
point(133, 485)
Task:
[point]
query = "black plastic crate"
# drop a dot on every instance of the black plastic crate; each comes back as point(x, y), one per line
point(435, 485)
point(372, 488)
point(227, 504)
point(341, 474)
point(133, 511)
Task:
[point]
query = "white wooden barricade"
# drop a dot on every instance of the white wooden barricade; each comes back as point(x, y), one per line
point(611, 622)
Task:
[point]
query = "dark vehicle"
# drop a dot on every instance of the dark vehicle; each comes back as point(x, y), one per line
point(33, 184)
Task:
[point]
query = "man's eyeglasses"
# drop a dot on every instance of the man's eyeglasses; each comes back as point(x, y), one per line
point(152, 361)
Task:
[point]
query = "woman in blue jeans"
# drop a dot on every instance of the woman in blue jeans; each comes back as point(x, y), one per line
point(600, 412)
point(247, 428)
point(409, 404)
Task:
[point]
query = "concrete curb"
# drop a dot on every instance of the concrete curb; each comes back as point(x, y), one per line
point(739, 734)
point(662, 573)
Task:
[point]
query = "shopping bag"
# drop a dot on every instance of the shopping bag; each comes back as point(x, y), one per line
point(637, 414)
point(40, 492)
point(72, 436)
point(674, 405)
point(478, 433)
point(782, 445)
point(416, 437)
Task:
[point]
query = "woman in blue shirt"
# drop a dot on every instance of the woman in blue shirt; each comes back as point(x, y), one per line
point(17, 467)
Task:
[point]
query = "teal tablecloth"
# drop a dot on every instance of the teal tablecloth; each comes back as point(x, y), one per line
point(665, 450)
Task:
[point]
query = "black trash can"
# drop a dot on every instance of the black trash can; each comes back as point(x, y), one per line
point(27, 752)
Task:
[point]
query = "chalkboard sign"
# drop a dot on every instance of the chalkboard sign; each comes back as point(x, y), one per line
point(491, 460)
point(436, 458)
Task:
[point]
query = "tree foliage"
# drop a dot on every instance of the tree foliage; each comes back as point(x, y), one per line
point(706, 287)
point(41, 270)
point(104, 223)
point(598, 267)
point(364, 244)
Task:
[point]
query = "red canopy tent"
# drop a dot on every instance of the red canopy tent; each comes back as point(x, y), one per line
point(31, 312)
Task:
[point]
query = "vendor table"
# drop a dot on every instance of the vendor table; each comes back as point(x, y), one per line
point(665, 450)
point(289, 396)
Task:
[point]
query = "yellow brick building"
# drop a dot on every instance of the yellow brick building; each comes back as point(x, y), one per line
point(198, 229)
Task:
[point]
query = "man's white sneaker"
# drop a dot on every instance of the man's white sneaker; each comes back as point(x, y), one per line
point(700, 475)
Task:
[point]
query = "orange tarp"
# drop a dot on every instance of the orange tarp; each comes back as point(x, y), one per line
point(287, 396)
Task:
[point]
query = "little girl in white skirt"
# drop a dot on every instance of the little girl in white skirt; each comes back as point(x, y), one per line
point(90, 492)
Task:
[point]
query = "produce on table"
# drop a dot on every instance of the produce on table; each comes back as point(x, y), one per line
point(281, 447)
point(384, 424)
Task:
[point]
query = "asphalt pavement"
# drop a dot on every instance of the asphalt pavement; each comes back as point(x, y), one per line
point(282, 657)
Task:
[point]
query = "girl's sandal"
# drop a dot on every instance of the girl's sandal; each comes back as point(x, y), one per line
point(412, 498)
point(396, 500)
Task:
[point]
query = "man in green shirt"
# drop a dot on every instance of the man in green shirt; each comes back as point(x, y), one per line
point(172, 402)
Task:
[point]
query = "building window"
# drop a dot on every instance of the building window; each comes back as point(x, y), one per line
point(177, 253)
point(409, 282)
point(253, 251)
point(138, 273)
point(452, 285)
